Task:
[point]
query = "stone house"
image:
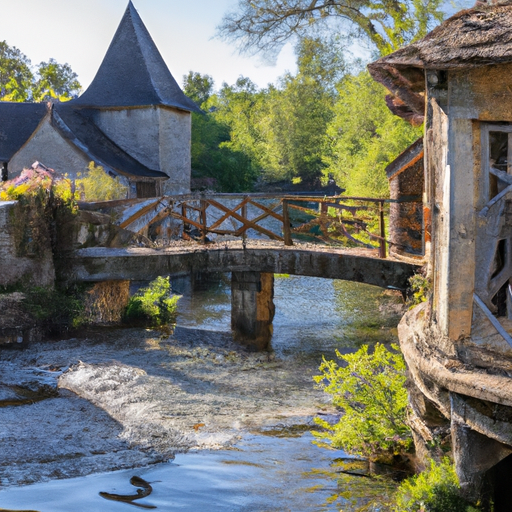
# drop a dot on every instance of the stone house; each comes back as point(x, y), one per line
point(458, 345)
point(133, 120)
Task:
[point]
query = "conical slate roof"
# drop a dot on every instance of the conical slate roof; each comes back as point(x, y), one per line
point(133, 73)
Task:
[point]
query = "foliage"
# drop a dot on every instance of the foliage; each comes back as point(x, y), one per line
point(321, 121)
point(370, 391)
point(364, 137)
point(434, 490)
point(232, 170)
point(198, 87)
point(15, 74)
point(276, 132)
point(297, 112)
point(420, 289)
point(19, 82)
point(214, 155)
point(265, 25)
point(55, 309)
point(98, 185)
point(239, 107)
point(153, 305)
point(56, 81)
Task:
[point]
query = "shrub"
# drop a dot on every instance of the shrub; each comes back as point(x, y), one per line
point(97, 185)
point(370, 391)
point(434, 490)
point(55, 309)
point(153, 305)
point(420, 290)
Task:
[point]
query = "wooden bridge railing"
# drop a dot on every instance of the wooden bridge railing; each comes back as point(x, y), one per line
point(356, 221)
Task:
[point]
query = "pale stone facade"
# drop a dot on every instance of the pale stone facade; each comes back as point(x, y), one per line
point(47, 145)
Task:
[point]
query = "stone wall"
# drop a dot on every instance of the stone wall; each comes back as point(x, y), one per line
point(175, 144)
point(17, 269)
point(406, 218)
point(158, 137)
point(467, 395)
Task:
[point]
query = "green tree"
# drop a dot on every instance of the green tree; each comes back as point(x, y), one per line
point(265, 25)
point(18, 82)
point(15, 74)
point(369, 389)
point(298, 111)
point(55, 80)
point(239, 106)
point(364, 137)
point(213, 153)
point(198, 87)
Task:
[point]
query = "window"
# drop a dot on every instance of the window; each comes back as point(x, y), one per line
point(146, 189)
point(496, 158)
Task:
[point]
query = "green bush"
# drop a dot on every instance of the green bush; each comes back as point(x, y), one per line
point(420, 290)
point(370, 391)
point(153, 305)
point(97, 185)
point(55, 309)
point(434, 490)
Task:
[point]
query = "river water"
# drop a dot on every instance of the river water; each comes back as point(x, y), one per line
point(276, 469)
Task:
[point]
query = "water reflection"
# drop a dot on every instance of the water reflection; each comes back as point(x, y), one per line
point(314, 316)
point(262, 474)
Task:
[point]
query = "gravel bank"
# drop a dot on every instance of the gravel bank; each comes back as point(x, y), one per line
point(125, 398)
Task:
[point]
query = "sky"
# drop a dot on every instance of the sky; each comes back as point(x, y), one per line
point(79, 32)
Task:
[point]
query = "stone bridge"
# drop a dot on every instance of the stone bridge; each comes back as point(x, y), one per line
point(252, 266)
point(139, 264)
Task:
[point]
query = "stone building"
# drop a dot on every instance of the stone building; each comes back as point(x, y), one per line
point(458, 345)
point(133, 120)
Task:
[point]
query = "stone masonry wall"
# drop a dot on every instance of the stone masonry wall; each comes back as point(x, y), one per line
point(15, 270)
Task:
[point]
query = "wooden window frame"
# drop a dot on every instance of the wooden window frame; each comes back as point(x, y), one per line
point(486, 128)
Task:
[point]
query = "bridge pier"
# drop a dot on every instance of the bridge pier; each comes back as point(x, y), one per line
point(252, 308)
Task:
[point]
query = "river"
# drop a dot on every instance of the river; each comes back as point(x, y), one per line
point(273, 464)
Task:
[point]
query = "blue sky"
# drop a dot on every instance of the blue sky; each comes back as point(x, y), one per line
point(78, 32)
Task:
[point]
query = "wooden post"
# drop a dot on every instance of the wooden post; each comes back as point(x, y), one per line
point(185, 224)
point(203, 221)
point(287, 235)
point(382, 241)
point(244, 215)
